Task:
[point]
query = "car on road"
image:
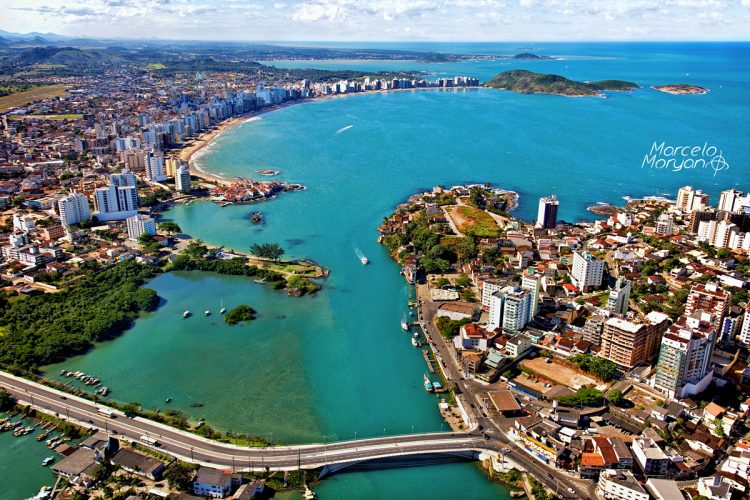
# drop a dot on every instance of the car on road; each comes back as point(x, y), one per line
point(63, 398)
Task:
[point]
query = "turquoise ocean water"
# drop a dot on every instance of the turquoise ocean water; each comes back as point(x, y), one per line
point(338, 366)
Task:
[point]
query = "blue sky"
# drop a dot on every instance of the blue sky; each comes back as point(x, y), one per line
point(384, 20)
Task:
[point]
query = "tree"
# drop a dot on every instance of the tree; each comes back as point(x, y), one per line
point(196, 249)
point(270, 251)
point(169, 227)
point(180, 475)
point(615, 397)
point(433, 266)
point(145, 238)
point(463, 281)
point(6, 401)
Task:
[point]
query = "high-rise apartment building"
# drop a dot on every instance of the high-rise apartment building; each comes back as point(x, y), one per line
point(182, 179)
point(74, 209)
point(155, 168)
point(510, 309)
point(684, 369)
point(629, 343)
point(140, 224)
point(619, 296)
point(689, 199)
point(587, 272)
point(711, 299)
point(546, 217)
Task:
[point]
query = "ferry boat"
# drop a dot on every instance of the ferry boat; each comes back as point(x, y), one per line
point(186, 314)
point(427, 384)
point(404, 324)
point(47, 461)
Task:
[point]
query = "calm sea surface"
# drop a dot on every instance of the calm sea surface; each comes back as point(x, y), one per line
point(338, 366)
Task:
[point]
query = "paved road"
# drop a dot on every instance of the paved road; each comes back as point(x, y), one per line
point(190, 447)
point(555, 479)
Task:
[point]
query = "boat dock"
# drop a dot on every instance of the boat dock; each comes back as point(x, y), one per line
point(426, 357)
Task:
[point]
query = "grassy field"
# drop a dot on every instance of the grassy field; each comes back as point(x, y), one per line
point(45, 117)
point(479, 222)
point(154, 66)
point(25, 97)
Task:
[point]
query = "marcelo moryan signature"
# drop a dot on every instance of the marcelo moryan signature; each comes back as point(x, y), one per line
point(677, 158)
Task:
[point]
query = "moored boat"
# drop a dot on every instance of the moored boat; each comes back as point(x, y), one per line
point(47, 461)
point(186, 314)
point(404, 324)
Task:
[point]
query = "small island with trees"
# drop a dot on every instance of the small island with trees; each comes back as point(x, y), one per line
point(240, 314)
point(528, 82)
point(681, 89)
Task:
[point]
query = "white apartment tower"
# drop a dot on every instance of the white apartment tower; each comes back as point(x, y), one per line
point(182, 179)
point(619, 296)
point(730, 200)
point(587, 271)
point(74, 209)
point(510, 308)
point(140, 224)
point(155, 168)
point(689, 199)
point(684, 369)
point(546, 217)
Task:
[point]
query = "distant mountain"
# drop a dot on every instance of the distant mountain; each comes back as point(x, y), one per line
point(31, 36)
point(528, 82)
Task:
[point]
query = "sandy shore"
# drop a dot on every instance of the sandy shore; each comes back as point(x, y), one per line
point(187, 153)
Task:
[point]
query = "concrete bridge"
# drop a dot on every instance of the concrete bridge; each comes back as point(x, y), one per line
point(387, 451)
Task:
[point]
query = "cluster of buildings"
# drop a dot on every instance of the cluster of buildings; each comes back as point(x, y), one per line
point(81, 467)
point(638, 290)
point(377, 84)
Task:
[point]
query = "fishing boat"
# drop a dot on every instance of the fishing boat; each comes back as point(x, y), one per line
point(186, 314)
point(427, 384)
point(404, 324)
point(47, 461)
point(207, 313)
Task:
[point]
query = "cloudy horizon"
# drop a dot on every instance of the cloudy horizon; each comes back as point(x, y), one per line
point(385, 20)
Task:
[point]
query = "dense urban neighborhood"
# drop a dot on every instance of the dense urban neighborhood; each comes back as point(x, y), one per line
point(614, 351)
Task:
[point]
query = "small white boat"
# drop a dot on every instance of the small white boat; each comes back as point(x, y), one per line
point(414, 342)
point(363, 260)
point(416, 335)
point(222, 310)
point(47, 461)
point(207, 313)
point(404, 324)
point(186, 314)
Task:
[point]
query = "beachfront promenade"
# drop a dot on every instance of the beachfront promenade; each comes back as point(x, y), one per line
point(196, 449)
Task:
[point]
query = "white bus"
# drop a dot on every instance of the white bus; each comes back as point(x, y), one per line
point(149, 441)
point(106, 412)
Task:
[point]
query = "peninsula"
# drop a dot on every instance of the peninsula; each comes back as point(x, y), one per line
point(681, 89)
point(528, 82)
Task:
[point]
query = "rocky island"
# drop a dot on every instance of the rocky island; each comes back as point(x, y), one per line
point(528, 82)
point(681, 89)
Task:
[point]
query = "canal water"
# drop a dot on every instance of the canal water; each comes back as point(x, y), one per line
point(337, 366)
